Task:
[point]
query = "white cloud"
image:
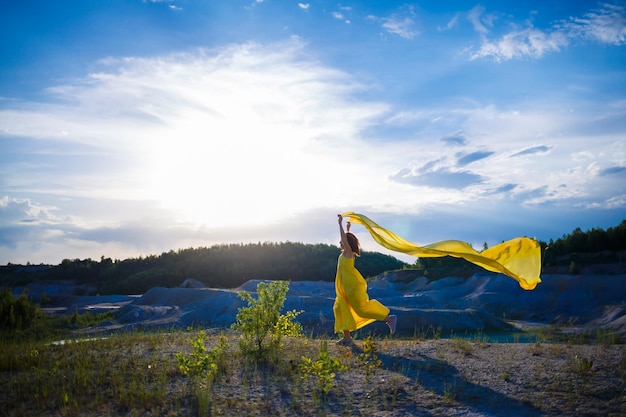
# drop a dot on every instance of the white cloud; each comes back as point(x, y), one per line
point(401, 23)
point(452, 23)
point(533, 150)
point(304, 6)
point(524, 43)
point(401, 26)
point(170, 6)
point(618, 201)
point(436, 177)
point(23, 210)
point(474, 16)
point(605, 25)
point(341, 16)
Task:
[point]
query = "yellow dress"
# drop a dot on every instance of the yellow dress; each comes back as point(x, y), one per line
point(353, 309)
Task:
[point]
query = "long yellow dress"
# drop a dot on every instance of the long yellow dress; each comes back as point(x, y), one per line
point(353, 309)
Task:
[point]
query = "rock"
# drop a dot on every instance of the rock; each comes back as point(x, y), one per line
point(192, 283)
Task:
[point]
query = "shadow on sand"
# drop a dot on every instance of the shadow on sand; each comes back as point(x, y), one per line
point(445, 380)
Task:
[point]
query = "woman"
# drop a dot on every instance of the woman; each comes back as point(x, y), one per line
point(353, 309)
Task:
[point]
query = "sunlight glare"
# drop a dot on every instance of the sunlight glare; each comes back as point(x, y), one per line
point(222, 173)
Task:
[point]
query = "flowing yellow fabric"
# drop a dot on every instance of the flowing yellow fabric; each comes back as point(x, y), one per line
point(353, 309)
point(518, 258)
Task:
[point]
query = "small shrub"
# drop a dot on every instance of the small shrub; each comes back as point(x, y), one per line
point(323, 370)
point(261, 323)
point(536, 349)
point(87, 319)
point(463, 345)
point(203, 365)
point(368, 359)
point(606, 337)
point(44, 299)
point(450, 391)
point(583, 366)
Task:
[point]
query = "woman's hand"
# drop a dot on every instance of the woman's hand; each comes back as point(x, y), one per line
point(340, 217)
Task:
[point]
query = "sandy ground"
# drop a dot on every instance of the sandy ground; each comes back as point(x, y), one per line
point(139, 376)
point(456, 377)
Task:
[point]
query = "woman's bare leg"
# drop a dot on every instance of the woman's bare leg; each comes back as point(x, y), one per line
point(347, 339)
point(391, 321)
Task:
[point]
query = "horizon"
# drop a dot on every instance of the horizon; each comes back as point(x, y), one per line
point(133, 128)
point(408, 259)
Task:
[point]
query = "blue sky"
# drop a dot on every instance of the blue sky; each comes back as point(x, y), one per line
point(130, 128)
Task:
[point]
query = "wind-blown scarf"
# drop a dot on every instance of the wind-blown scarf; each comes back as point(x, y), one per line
point(518, 258)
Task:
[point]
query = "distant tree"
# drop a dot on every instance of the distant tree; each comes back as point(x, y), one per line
point(17, 313)
point(579, 242)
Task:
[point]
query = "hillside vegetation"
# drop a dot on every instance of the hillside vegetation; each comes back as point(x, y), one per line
point(228, 266)
point(219, 266)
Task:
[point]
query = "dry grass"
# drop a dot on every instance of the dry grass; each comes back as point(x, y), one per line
point(138, 375)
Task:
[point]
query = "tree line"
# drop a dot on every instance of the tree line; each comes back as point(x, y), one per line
point(220, 266)
point(594, 240)
point(230, 265)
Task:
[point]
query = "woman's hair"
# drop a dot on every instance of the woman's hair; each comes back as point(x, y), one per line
point(354, 243)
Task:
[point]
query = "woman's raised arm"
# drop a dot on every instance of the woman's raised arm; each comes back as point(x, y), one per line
point(347, 250)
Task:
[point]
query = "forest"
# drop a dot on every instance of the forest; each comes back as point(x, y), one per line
point(230, 265)
point(218, 266)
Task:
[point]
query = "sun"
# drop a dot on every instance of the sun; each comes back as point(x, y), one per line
point(239, 174)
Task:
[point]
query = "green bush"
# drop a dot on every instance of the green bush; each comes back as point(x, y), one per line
point(261, 324)
point(201, 364)
point(323, 370)
point(368, 359)
point(17, 313)
point(203, 367)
